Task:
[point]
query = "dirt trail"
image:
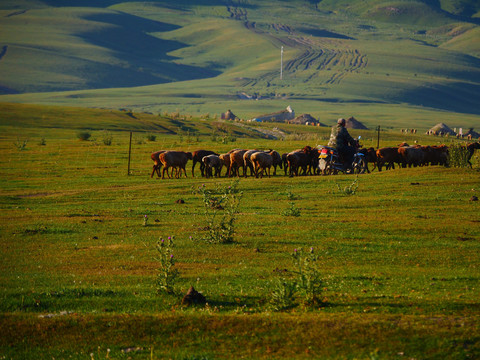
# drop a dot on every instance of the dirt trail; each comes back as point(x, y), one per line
point(20, 12)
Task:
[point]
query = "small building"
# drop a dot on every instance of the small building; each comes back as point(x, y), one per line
point(306, 119)
point(441, 129)
point(352, 123)
point(229, 115)
point(471, 134)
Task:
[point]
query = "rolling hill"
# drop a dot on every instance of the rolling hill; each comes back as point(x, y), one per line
point(198, 56)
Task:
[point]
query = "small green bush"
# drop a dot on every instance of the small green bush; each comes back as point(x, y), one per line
point(309, 282)
point(305, 287)
point(151, 137)
point(107, 138)
point(84, 135)
point(283, 295)
point(166, 272)
point(21, 144)
point(349, 189)
point(291, 196)
point(458, 156)
point(292, 210)
point(221, 207)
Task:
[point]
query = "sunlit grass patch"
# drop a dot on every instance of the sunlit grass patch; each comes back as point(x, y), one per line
point(403, 249)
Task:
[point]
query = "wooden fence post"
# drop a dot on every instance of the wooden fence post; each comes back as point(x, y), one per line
point(129, 153)
point(378, 137)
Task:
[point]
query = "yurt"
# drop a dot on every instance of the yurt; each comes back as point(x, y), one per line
point(441, 129)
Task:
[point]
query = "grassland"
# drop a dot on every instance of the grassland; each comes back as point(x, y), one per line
point(398, 259)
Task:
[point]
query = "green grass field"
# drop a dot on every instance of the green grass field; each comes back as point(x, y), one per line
point(397, 272)
point(398, 259)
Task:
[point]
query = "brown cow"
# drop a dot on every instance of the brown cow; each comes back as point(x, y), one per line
point(236, 162)
point(157, 164)
point(277, 161)
point(226, 161)
point(248, 162)
point(301, 159)
point(313, 159)
point(262, 161)
point(439, 155)
point(387, 156)
point(175, 159)
point(285, 163)
point(411, 155)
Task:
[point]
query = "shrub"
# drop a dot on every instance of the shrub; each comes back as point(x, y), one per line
point(308, 277)
point(166, 272)
point(228, 139)
point(306, 285)
point(283, 295)
point(21, 144)
point(349, 189)
point(107, 138)
point(291, 210)
point(151, 137)
point(83, 135)
point(220, 209)
point(291, 196)
point(458, 156)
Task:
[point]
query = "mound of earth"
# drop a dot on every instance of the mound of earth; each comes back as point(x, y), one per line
point(352, 123)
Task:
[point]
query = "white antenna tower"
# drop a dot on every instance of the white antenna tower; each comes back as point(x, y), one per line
point(281, 63)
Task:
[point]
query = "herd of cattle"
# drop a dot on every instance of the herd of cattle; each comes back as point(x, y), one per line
point(238, 162)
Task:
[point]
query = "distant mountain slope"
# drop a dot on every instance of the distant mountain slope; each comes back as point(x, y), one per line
point(464, 39)
point(465, 8)
point(53, 49)
point(406, 10)
point(418, 52)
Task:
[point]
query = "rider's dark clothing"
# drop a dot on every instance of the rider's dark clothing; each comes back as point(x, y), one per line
point(343, 142)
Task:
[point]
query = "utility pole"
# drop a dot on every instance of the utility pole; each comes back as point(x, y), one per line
point(281, 63)
point(378, 137)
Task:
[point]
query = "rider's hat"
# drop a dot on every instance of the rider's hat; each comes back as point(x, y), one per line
point(341, 121)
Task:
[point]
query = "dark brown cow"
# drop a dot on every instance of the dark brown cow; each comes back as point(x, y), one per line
point(370, 156)
point(285, 163)
point(212, 161)
point(439, 155)
point(301, 159)
point(411, 155)
point(277, 161)
point(387, 156)
point(197, 157)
